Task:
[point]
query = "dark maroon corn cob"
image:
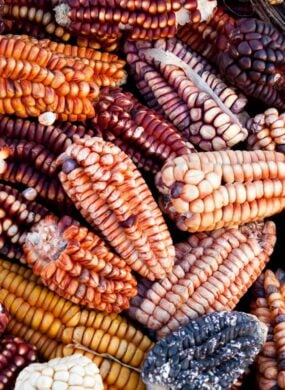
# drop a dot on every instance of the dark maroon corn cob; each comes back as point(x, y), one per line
point(180, 84)
point(144, 135)
point(15, 355)
point(252, 57)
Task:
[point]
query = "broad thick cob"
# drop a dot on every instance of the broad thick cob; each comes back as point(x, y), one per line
point(139, 19)
point(110, 193)
point(145, 136)
point(208, 353)
point(269, 306)
point(267, 131)
point(75, 263)
point(212, 272)
point(59, 328)
point(208, 191)
point(181, 85)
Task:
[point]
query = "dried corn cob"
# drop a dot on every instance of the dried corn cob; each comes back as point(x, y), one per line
point(208, 191)
point(212, 272)
point(76, 264)
point(4, 318)
point(61, 373)
point(15, 355)
point(209, 353)
point(203, 37)
point(252, 58)
point(269, 306)
point(139, 19)
point(146, 137)
point(35, 80)
point(181, 85)
point(59, 328)
point(110, 193)
point(267, 131)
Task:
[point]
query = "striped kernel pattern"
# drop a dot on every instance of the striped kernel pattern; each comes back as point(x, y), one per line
point(110, 193)
point(212, 271)
point(268, 305)
point(59, 328)
point(211, 190)
point(77, 265)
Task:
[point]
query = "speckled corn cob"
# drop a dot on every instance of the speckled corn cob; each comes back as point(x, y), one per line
point(145, 136)
point(252, 58)
point(76, 264)
point(59, 328)
point(269, 306)
point(139, 19)
point(71, 372)
point(112, 196)
point(212, 272)
point(180, 84)
point(35, 80)
point(267, 131)
point(211, 352)
point(208, 191)
point(15, 355)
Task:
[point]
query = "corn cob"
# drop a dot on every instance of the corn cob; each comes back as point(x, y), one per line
point(59, 328)
point(15, 355)
point(35, 80)
point(139, 19)
point(208, 191)
point(211, 352)
point(267, 131)
point(4, 318)
point(269, 306)
point(110, 193)
point(61, 373)
point(181, 85)
point(146, 137)
point(212, 272)
point(76, 264)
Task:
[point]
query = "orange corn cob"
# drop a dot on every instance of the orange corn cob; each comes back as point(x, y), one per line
point(213, 270)
point(59, 328)
point(112, 196)
point(207, 191)
point(77, 265)
point(269, 306)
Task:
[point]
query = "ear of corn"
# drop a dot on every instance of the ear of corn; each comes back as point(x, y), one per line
point(59, 328)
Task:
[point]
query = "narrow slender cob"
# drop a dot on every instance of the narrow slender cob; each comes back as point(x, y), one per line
point(267, 131)
point(211, 352)
point(76, 264)
point(112, 196)
point(207, 191)
point(181, 85)
point(145, 136)
point(269, 306)
point(212, 271)
point(59, 328)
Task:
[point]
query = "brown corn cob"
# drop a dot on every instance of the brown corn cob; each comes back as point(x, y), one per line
point(35, 80)
point(61, 373)
point(145, 136)
point(15, 355)
point(202, 37)
point(208, 191)
point(139, 19)
point(59, 328)
point(182, 86)
point(267, 131)
point(4, 318)
point(76, 264)
point(212, 272)
point(269, 306)
point(112, 196)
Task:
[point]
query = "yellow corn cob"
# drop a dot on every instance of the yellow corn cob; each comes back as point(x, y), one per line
point(59, 328)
